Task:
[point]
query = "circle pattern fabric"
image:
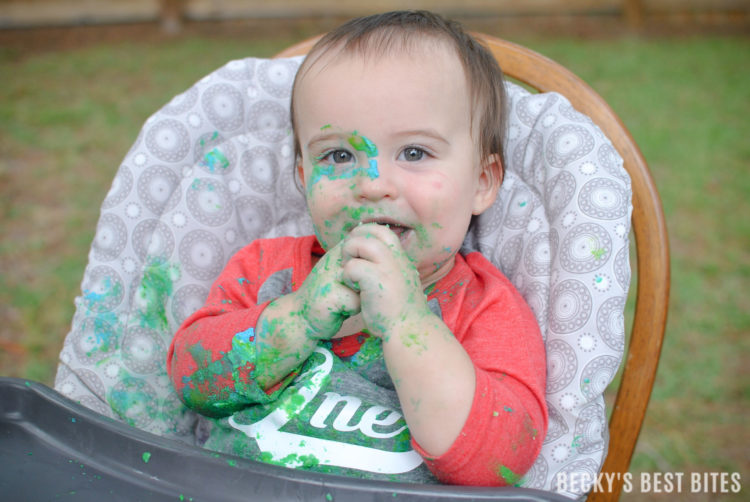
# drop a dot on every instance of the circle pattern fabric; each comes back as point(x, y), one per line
point(214, 170)
point(155, 188)
point(571, 308)
point(152, 238)
point(168, 140)
point(209, 202)
point(222, 104)
point(111, 237)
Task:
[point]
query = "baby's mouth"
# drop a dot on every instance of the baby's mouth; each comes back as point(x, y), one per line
point(401, 231)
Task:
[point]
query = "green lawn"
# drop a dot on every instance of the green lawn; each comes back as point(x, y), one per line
point(68, 117)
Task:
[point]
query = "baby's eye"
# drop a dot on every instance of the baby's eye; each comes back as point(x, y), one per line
point(412, 154)
point(338, 157)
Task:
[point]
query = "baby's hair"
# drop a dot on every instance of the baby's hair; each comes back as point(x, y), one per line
point(403, 30)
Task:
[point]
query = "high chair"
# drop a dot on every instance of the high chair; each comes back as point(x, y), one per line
point(651, 244)
point(213, 170)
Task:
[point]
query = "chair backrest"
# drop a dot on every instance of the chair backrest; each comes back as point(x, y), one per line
point(649, 227)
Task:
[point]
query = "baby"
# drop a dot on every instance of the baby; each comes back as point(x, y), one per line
point(377, 348)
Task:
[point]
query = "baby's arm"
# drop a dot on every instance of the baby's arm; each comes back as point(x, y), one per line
point(508, 420)
point(291, 326)
point(475, 409)
point(211, 358)
point(433, 375)
point(233, 352)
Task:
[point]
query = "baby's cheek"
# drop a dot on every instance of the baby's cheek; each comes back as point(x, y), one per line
point(328, 220)
point(325, 199)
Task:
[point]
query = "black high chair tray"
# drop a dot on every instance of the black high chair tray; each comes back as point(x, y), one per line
point(52, 448)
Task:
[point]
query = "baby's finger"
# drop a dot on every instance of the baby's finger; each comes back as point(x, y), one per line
point(377, 230)
point(368, 248)
point(347, 281)
point(328, 308)
point(361, 274)
point(347, 299)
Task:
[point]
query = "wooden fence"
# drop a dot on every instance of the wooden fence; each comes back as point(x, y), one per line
point(172, 13)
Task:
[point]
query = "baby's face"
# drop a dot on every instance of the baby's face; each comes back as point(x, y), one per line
point(387, 139)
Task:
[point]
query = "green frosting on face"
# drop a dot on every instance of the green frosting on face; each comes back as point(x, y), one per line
point(363, 144)
point(359, 143)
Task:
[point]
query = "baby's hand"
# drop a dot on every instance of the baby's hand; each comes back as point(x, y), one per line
point(324, 301)
point(376, 265)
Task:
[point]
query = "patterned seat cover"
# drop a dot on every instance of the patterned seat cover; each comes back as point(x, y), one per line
point(214, 169)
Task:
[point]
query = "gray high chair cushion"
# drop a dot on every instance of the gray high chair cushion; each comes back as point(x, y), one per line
point(213, 170)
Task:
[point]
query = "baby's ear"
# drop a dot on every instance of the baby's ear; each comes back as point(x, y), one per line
point(490, 179)
point(300, 173)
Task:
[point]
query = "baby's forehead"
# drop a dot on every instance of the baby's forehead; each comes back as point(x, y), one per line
point(419, 74)
point(353, 63)
point(374, 50)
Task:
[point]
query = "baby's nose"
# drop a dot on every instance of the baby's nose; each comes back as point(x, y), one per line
point(376, 182)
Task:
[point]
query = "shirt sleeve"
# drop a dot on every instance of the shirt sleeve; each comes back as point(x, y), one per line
point(212, 355)
point(506, 426)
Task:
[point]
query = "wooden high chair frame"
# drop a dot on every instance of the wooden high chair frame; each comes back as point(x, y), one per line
point(652, 245)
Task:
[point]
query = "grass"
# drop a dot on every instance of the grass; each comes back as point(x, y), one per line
point(68, 117)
